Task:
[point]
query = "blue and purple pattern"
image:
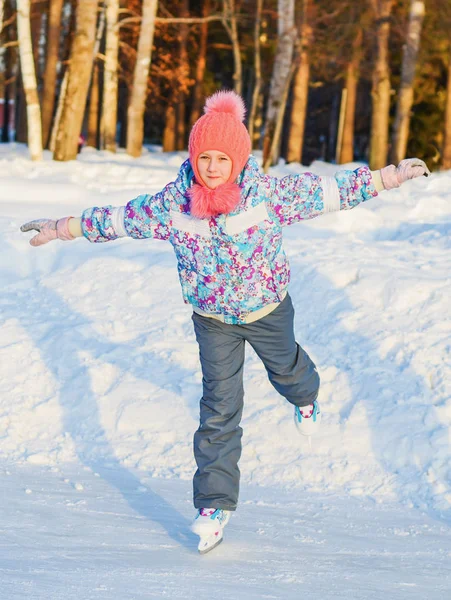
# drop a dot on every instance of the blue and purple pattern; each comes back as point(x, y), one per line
point(238, 273)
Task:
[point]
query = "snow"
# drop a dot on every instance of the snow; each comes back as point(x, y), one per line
point(100, 383)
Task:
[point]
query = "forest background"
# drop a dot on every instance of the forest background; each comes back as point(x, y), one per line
point(337, 80)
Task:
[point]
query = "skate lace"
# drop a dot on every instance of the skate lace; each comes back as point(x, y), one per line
point(306, 412)
point(207, 512)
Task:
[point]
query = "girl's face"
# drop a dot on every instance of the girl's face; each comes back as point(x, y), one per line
point(214, 168)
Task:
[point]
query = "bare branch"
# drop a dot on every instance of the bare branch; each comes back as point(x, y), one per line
point(175, 20)
point(190, 20)
point(12, 44)
point(5, 24)
point(127, 21)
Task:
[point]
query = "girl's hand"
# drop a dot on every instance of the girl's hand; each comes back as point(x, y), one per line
point(48, 230)
point(409, 168)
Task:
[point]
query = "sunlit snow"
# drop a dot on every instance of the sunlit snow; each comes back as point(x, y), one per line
point(100, 384)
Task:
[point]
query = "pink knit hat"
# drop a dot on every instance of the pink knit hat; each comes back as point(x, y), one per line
point(221, 128)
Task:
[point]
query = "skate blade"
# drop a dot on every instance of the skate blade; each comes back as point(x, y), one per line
point(209, 543)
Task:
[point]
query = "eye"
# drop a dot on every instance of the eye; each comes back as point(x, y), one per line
point(224, 158)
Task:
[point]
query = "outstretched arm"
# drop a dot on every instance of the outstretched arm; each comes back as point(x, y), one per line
point(144, 217)
point(298, 197)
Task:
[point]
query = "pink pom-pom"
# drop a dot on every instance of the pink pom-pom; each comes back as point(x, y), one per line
point(207, 203)
point(226, 102)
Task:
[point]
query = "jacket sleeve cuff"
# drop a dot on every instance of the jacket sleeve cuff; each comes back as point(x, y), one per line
point(74, 226)
point(377, 181)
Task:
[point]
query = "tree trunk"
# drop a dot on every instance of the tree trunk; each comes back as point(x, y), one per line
point(69, 29)
point(169, 133)
point(93, 114)
point(346, 151)
point(35, 25)
point(280, 75)
point(51, 66)
point(405, 98)
point(182, 78)
point(299, 109)
point(170, 128)
point(2, 98)
point(231, 27)
point(68, 23)
point(95, 124)
point(275, 142)
point(174, 130)
point(300, 89)
point(257, 71)
point(11, 91)
point(180, 126)
point(59, 111)
point(135, 113)
point(446, 159)
point(79, 74)
point(21, 110)
point(110, 86)
point(29, 79)
point(2, 73)
point(201, 65)
point(381, 87)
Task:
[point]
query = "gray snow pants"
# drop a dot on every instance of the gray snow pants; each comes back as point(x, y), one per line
point(217, 442)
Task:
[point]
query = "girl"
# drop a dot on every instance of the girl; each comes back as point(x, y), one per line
point(224, 220)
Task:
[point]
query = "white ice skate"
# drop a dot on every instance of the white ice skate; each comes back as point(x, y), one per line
point(209, 525)
point(307, 419)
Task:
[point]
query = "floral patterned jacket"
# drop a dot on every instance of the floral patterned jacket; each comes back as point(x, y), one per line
point(232, 264)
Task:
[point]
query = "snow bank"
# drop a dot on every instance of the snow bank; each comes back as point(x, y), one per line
point(98, 360)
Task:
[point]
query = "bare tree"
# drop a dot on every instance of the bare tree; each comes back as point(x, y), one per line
point(257, 70)
point(110, 84)
point(93, 110)
point(38, 22)
point(94, 139)
point(51, 66)
point(346, 148)
point(405, 96)
point(446, 159)
point(67, 30)
point(12, 70)
point(381, 85)
point(170, 124)
point(29, 79)
point(201, 65)
point(230, 24)
point(183, 78)
point(135, 114)
point(281, 74)
point(2, 70)
point(78, 78)
point(59, 111)
point(300, 88)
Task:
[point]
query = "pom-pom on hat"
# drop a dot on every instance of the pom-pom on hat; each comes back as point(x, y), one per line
point(221, 128)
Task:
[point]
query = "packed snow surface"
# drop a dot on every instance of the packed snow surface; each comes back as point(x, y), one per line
point(100, 383)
